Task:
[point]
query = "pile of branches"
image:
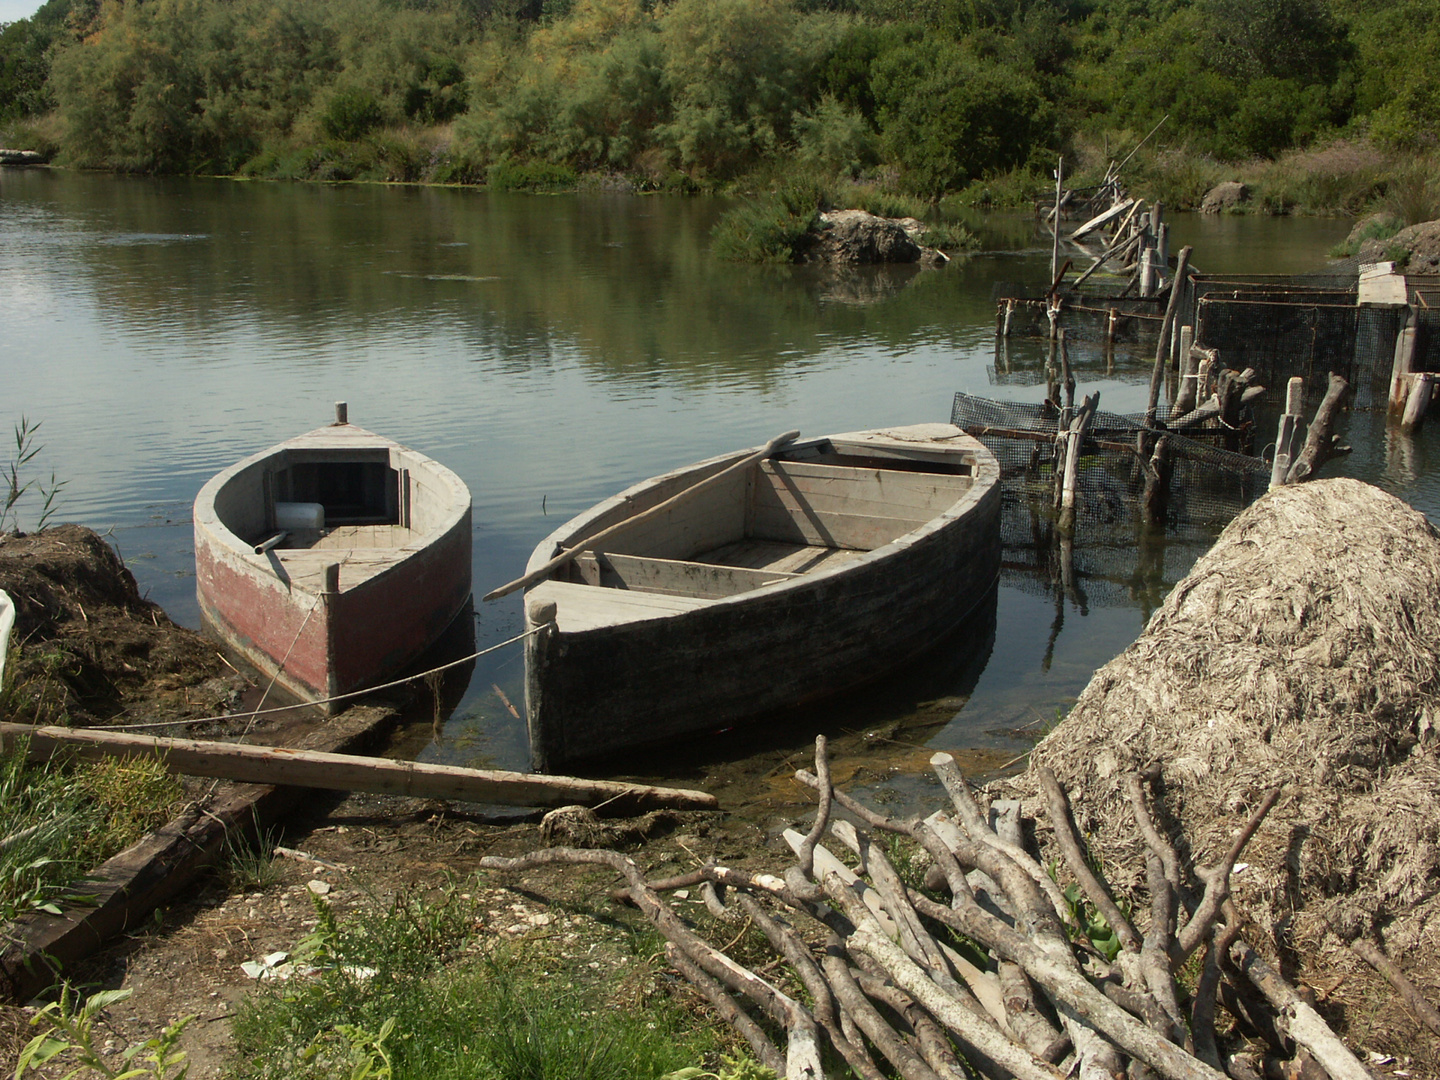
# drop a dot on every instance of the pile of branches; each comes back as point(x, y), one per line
point(877, 971)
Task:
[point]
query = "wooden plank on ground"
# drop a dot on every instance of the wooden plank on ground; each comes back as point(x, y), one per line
point(345, 772)
point(125, 889)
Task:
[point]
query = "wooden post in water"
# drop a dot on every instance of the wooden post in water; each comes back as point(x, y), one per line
point(1417, 404)
point(1186, 395)
point(1162, 347)
point(1074, 440)
point(1400, 370)
point(1289, 429)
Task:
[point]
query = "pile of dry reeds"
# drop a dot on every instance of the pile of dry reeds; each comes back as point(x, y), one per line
point(1303, 650)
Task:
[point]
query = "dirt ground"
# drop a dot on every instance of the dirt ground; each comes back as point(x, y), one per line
point(367, 849)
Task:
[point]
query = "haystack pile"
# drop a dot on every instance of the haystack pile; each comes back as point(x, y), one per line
point(1303, 650)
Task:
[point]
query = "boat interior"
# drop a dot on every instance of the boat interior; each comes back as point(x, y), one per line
point(815, 506)
point(325, 500)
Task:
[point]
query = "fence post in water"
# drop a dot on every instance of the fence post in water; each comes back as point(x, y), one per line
point(1074, 440)
point(1186, 395)
point(1400, 371)
point(1422, 387)
point(1162, 347)
point(1289, 429)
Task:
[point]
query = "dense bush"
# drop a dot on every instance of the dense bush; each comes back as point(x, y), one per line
point(935, 96)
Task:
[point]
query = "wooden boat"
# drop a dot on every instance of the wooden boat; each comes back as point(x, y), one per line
point(333, 559)
point(754, 581)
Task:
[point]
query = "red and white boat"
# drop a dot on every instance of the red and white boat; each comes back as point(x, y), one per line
point(332, 560)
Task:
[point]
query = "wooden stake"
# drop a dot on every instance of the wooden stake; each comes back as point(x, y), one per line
point(346, 772)
point(1055, 245)
point(1162, 347)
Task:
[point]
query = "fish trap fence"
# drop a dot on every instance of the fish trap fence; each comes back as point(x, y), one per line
point(1305, 326)
point(1208, 486)
point(1090, 317)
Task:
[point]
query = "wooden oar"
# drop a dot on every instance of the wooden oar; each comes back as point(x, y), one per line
point(680, 496)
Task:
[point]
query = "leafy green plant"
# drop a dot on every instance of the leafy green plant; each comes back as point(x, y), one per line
point(71, 1039)
point(737, 1067)
point(57, 823)
point(26, 451)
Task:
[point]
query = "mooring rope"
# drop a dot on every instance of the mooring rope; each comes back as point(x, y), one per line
point(337, 697)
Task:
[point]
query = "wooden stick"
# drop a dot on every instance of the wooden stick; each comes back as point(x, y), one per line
point(1377, 958)
point(1217, 884)
point(1162, 346)
point(569, 553)
point(1068, 840)
point(347, 772)
point(715, 993)
point(1301, 1022)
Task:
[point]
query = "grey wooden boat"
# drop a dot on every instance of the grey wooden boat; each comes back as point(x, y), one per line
point(758, 586)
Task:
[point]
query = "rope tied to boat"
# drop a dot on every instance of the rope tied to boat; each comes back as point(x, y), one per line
point(251, 714)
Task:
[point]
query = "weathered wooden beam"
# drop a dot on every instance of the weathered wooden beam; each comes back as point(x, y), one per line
point(1101, 219)
point(345, 772)
point(126, 888)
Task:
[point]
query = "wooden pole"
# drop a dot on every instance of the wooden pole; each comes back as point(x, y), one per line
point(1417, 403)
point(342, 413)
point(1055, 244)
point(1320, 442)
point(1162, 347)
point(1289, 425)
point(1400, 370)
point(1075, 439)
point(346, 772)
point(674, 500)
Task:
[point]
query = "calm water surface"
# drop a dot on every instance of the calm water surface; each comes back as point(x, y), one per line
point(550, 350)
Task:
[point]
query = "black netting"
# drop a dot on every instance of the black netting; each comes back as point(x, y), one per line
point(1208, 487)
point(1306, 325)
point(1304, 338)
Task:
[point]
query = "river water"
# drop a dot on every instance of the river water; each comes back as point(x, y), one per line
point(551, 350)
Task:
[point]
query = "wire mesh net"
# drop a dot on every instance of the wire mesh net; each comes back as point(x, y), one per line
point(1209, 484)
point(1303, 337)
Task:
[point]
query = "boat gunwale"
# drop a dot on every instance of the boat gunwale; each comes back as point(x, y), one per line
point(356, 438)
point(985, 477)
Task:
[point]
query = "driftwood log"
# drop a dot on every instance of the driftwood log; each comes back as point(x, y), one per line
point(989, 967)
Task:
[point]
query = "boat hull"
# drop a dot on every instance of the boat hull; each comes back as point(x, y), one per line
point(598, 691)
point(273, 610)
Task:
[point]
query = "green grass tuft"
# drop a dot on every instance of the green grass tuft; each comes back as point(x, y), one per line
point(403, 989)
